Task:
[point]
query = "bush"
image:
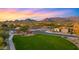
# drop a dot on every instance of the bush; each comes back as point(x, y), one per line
point(1, 41)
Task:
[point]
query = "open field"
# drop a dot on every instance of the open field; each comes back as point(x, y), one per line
point(42, 42)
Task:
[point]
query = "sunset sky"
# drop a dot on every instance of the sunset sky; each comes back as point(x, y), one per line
point(36, 13)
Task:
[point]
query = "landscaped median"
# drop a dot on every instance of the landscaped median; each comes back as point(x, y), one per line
point(42, 42)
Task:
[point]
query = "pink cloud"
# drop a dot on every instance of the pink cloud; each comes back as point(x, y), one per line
point(40, 16)
point(12, 13)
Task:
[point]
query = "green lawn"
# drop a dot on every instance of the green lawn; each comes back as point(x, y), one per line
point(42, 42)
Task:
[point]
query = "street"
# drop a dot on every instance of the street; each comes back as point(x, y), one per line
point(54, 33)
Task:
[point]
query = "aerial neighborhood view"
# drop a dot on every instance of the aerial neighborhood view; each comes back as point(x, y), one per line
point(39, 28)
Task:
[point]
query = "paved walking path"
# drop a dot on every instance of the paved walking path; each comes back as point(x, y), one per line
point(11, 44)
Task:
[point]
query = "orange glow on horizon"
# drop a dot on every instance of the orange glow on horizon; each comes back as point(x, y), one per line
point(13, 14)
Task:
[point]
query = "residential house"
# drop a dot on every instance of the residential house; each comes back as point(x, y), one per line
point(76, 28)
point(56, 30)
point(63, 29)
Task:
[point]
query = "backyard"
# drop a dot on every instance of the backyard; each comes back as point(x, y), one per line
point(42, 42)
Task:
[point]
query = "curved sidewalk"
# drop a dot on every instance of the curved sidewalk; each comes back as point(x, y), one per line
point(11, 44)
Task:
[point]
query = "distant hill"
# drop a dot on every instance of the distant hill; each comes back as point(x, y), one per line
point(26, 20)
point(29, 20)
point(60, 19)
point(54, 19)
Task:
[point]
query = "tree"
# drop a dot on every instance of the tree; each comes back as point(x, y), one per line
point(70, 30)
point(11, 26)
point(5, 27)
point(3, 36)
point(4, 31)
point(76, 28)
point(1, 41)
point(24, 28)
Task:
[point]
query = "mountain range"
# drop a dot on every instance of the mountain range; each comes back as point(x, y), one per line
point(51, 19)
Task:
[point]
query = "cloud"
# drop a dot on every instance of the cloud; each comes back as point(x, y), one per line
point(14, 13)
point(40, 15)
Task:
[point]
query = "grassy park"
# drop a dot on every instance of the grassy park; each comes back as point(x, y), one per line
point(42, 42)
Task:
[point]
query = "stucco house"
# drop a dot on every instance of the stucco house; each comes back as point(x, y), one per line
point(56, 30)
point(63, 29)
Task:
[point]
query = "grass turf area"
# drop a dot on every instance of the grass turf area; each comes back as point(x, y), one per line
point(42, 42)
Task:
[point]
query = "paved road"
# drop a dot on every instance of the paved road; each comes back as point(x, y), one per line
point(65, 35)
point(11, 44)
